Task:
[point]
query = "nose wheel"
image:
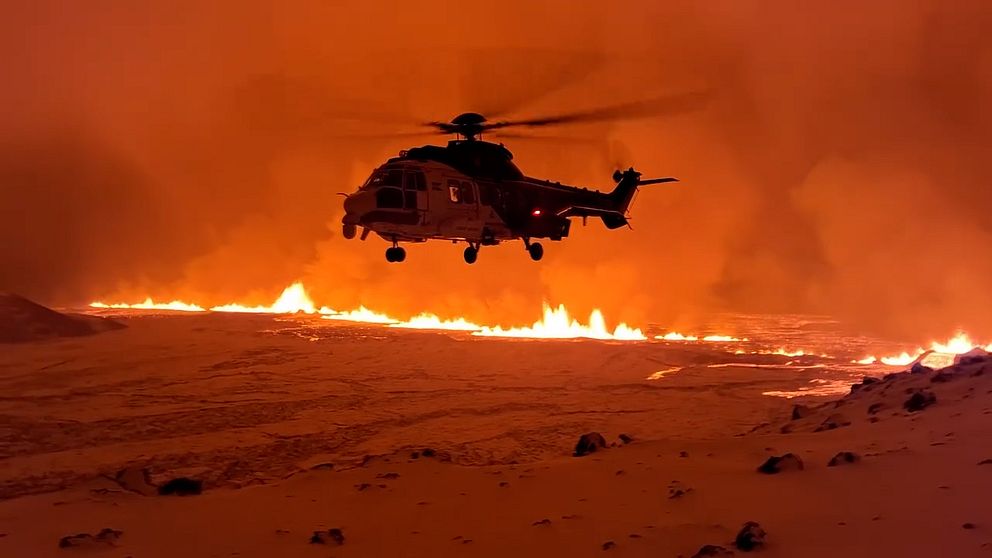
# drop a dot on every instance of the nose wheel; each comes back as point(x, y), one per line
point(471, 254)
point(396, 254)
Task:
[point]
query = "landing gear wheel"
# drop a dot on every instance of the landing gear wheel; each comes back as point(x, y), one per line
point(395, 254)
point(471, 254)
point(536, 251)
point(349, 231)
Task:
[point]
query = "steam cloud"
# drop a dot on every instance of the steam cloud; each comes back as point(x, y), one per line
point(196, 151)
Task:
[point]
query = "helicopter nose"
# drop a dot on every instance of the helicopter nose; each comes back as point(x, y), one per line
point(356, 205)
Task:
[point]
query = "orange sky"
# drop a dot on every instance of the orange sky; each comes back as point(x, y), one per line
point(182, 150)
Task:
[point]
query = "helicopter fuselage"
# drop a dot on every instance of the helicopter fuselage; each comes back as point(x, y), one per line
point(471, 192)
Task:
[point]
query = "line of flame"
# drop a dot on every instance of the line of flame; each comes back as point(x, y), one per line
point(957, 345)
point(557, 324)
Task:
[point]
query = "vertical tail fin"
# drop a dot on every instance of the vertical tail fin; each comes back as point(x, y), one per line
point(627, 183)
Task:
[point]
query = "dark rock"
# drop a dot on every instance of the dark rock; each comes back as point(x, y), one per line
point(918, 368)
point(609, 545)
point(967, 525)
point(985, 462)
point(415, 455)
point(331, 536)
point(181, 486)
point(843, 458)
point(388, 476)
point(800, 411)
point(874, 408)
point(919, 400)
point(589, 443)
point(135, 479)
point(868, 380)
point(104, 537)
point(943, 376)
point(833, 422)
point(676, 490)
point(751, 536)
point(363, 486)
point(625, 439)
point(709, 550)
point(428, 452)
point(542, 522)
point(683, 454)
point(783, 463)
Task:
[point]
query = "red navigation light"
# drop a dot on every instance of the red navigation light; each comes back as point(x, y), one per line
point(536, 212)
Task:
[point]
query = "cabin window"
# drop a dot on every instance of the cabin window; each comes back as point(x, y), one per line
point(468, 193)
point(416, 181)
point(389, 198)
point(454, 191)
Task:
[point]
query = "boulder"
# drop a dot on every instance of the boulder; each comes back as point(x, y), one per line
point(919, 400)
point(625, 438)
point(750, 537)
point(106, 536)
point(135, 479)
point(181, 486)
point(844, 458)
point(779, 464)
point(332, 536)
point(589, 443)
point(709, 550)
point(833, 422)
point(800, 411)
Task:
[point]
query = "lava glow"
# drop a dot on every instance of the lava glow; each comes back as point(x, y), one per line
point(430, 321)
point(148, 304)
point(293, 299)
point(676, 336)
point(557, 324)
point(957, 345)
point(363, 315)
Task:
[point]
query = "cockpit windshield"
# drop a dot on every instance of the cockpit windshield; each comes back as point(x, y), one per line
point(384, 177)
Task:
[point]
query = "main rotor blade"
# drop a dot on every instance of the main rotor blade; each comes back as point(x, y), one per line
point(660, 106)
point(499, 82)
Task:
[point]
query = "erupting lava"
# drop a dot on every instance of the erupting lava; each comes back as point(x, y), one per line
point(293, 299)
point(555, 324)
point(149, 304)
point(942, 352)
point(558, 325)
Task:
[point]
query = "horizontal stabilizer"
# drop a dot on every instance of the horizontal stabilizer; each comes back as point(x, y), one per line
point(656, 181)
point(611, 218)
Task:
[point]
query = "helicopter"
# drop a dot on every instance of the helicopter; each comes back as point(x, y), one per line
point(471, 191)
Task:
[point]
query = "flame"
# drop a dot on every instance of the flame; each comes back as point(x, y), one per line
point(676, 336)
point(722, 339)
point(900, 360)
point(149, 304)
point(430, 321)
point(957, 345)
point(363, 315)
point(293, 299)
point(557, 324)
